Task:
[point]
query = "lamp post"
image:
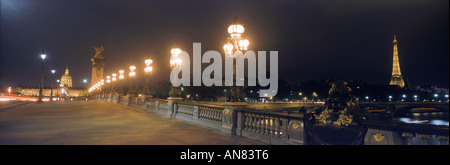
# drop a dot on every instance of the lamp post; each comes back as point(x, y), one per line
point(108, 82)
point(102, 90)
point(113, 82)
point(51, 91)
point(107, 88)
point(148, 70)
point(175, 61)
point(235, 42)
point(121, 76)
point(58, 94)
point(131, 74)
point(174, 94)
point(43, 55)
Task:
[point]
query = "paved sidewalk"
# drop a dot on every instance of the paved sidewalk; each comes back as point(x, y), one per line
point(102, 123)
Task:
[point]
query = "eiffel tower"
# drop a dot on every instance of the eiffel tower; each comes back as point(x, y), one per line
point(396, 78)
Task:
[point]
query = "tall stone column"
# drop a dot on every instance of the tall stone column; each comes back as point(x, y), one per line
point(98, 64)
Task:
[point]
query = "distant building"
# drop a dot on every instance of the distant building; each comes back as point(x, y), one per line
point(57, 92)
point(64, 89)
point(66, 79)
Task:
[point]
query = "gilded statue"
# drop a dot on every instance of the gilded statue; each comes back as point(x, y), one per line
point(98, 51)
point(341, 120)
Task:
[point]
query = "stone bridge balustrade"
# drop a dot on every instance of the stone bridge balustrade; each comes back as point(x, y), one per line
point(274, 127)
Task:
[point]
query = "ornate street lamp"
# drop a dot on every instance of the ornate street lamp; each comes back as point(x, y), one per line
point(121, 77)
point(131, 74)
point(51, 91)
point(108, 81)
point(113, 80)
point(43, 55)
point(102, 90)
point(235, 42)
point(175, 61)
point(148, 70)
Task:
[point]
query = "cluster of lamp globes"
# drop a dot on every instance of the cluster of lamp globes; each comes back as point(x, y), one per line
point(235, 42)
point(113, 78)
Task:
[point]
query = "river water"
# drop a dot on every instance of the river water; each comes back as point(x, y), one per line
point(435, 118)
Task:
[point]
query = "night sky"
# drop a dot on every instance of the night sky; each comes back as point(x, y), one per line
point(317, 39)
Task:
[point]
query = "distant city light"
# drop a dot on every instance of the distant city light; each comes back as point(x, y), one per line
point(84, 80)
point(43, 55)
point(404, 96)
point(436, 95)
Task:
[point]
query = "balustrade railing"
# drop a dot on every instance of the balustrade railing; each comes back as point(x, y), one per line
point(262, 124)
point(274, 127)
point(210, 114)
point(186, 110)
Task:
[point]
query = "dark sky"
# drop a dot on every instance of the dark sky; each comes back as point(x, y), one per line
point(316, 39)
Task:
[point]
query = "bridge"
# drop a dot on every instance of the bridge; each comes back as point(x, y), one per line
point(118, 119)
point(97, 122)
point(279, 127)
point(405, 107)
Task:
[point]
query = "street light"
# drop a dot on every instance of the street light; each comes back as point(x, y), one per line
point(235, 42)
point(121, 77)
point(175, 61)
point(148, 70)
point(51, 91)
point(131, 74)
point(43, 55)
point(108, 81)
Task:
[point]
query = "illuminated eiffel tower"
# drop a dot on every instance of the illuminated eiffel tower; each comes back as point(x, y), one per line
point(396, 78)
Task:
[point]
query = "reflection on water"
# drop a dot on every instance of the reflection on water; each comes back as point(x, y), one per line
point(435, 118)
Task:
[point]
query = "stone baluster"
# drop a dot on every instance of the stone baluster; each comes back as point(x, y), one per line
point(407, 137)
point(271, 126)
point(267, 129)
point(208, 114)
point(249, 121)
point(254, 123)
point(265, 125)
point(258, 123)
point(246, 119)
point(277, 127)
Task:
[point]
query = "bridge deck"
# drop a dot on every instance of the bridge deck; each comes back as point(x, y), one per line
point(98, 122)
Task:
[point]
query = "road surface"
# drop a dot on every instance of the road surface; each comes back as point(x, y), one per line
point(101, 123)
